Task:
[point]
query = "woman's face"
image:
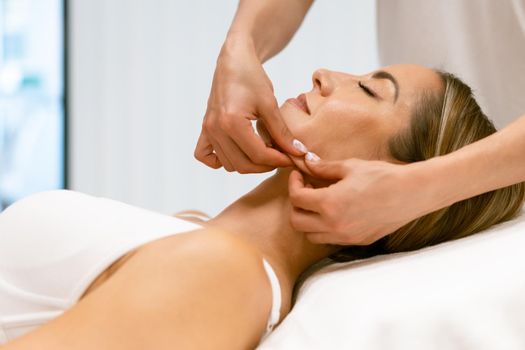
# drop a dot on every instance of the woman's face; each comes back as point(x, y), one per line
point(346, 116)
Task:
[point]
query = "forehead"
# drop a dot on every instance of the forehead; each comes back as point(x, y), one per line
point(414, 79)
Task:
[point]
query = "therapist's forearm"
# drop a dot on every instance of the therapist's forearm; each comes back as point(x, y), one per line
point(494, 162)
point(268, 24)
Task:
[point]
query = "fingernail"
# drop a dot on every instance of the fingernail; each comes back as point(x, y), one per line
point(312, 157)
point(298, 145)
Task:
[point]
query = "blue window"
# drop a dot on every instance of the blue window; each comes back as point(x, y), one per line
point(32, 97)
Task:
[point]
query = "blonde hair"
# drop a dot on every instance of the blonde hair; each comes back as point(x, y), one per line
point(442, 123)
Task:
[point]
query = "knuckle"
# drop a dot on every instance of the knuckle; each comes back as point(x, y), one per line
point(226, 122)
point(327, 207)
point(243, 169)
point(197, 155)
point(228, 167)
point(258, 158)
point(324, 209)
point(208, 124)
point(338, 209)
point(336, 224)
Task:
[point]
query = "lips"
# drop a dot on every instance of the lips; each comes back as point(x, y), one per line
point(300, 102)
point(302, 98)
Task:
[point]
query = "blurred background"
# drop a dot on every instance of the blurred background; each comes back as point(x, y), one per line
point(138, 78)
point(32, 90)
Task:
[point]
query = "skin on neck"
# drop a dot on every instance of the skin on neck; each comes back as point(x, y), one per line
point(261, 217)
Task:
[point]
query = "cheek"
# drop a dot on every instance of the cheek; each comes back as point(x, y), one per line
point(301, 125)
point(342, 132)
point(339, 130)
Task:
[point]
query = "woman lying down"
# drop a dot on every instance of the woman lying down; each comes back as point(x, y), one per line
point(229, 281)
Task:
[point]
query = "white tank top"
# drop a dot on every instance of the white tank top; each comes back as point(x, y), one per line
point(53, 245)
point(482, 41)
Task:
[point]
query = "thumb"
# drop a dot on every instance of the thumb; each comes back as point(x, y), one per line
point(271, 117)
point(328, 170)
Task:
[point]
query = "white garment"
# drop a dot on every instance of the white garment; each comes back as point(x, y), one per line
point(482, 41)
point(54, 244)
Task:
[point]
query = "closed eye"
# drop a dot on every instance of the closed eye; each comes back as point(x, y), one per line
point(367, 90)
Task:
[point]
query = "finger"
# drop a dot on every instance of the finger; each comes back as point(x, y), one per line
point(296, 179)
point(223, 158)
point(329, 170)
point(304, 197)
point(204, 152)
point(271, 116)
point(264, 134)
point(240, 160)
point(300, 164)
point(255, 148)
point(307, 221)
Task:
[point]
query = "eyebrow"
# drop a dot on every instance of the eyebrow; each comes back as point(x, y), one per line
point(385, 75)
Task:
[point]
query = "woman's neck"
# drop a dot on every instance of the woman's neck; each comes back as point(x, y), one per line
point(262, 218)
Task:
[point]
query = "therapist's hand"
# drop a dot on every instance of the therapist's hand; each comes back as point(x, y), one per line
point(241, 92)
point(365, 201)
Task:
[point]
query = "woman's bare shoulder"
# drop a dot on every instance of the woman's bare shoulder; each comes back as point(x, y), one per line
point(171, 292)
point(206, 243)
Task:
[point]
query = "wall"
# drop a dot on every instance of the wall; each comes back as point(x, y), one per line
point(140, 77)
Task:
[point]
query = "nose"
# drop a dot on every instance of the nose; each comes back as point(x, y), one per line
point(326, 81)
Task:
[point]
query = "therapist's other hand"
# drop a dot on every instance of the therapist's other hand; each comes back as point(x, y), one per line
point(242, 92)
point(365, 201)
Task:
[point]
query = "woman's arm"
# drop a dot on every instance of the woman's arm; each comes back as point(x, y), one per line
point(372, 199)
point(202, 290)
point(241, 91)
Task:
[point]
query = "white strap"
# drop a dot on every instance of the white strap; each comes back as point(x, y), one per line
point(276, 298)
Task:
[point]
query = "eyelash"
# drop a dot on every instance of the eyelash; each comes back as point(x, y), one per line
point(366, 90)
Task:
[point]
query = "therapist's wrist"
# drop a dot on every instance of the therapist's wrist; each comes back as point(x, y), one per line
point(426, 183)
point(244, 40)
point(435, 180)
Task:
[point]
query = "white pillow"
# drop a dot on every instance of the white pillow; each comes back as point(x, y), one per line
point(464, 294)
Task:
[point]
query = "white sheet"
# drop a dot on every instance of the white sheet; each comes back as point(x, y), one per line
point(465, 294)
